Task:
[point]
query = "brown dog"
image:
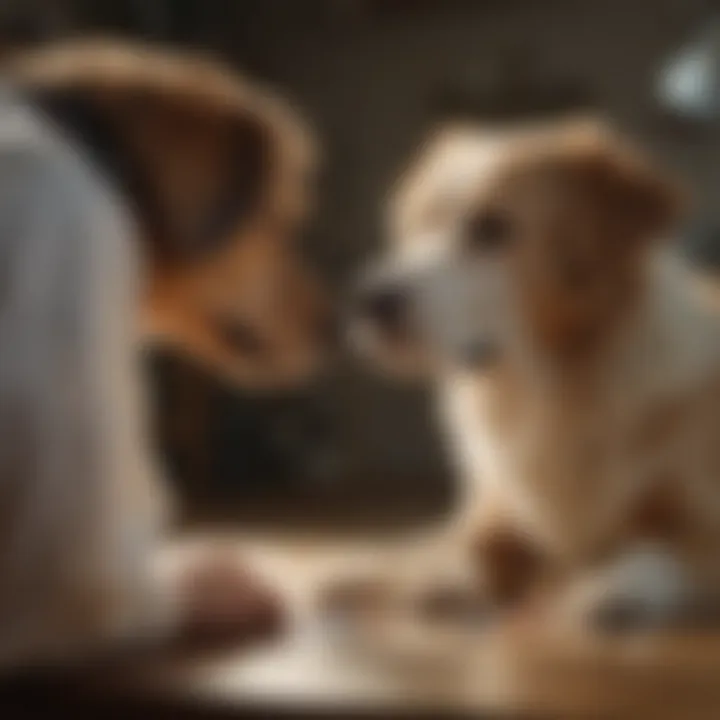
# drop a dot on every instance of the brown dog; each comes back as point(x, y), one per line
point(152, 195)
point(219, 175)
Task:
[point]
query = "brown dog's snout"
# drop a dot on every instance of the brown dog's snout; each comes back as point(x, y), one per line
point(329, 328)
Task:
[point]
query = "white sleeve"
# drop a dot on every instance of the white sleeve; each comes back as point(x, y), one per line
point(78, 506)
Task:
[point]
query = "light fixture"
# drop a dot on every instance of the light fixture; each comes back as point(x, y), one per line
point(689, 84)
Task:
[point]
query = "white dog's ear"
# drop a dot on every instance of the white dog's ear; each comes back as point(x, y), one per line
point(637, 201)
point(640, 196)
point(647, 202)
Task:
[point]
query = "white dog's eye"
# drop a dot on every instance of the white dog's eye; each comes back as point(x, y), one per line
point(489, 230)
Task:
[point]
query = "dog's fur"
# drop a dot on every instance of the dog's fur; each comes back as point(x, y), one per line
point(586, 430)
point(163, 193)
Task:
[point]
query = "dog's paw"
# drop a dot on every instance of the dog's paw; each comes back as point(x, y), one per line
point(220, 600)
point(646, 589)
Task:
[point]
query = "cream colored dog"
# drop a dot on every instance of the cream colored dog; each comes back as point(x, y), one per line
point(577, 372)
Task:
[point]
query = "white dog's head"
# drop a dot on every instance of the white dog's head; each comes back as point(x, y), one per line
point(507, 240)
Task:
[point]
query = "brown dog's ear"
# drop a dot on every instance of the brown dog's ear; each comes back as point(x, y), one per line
point(243, 179)
point(194, 148)
point(192, 181)
point(206, 170)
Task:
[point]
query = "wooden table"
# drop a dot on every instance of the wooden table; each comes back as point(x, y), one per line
point(492, 672)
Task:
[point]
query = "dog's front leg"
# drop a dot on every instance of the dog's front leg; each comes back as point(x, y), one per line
point(487, 562)
point(479, 562)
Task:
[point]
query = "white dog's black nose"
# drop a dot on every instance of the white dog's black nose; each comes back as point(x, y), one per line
point(385, 307)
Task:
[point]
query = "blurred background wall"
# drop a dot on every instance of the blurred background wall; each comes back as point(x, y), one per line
point(372, 76)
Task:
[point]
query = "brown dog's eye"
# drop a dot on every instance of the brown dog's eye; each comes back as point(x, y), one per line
point(240, 337)
point(489, 230)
